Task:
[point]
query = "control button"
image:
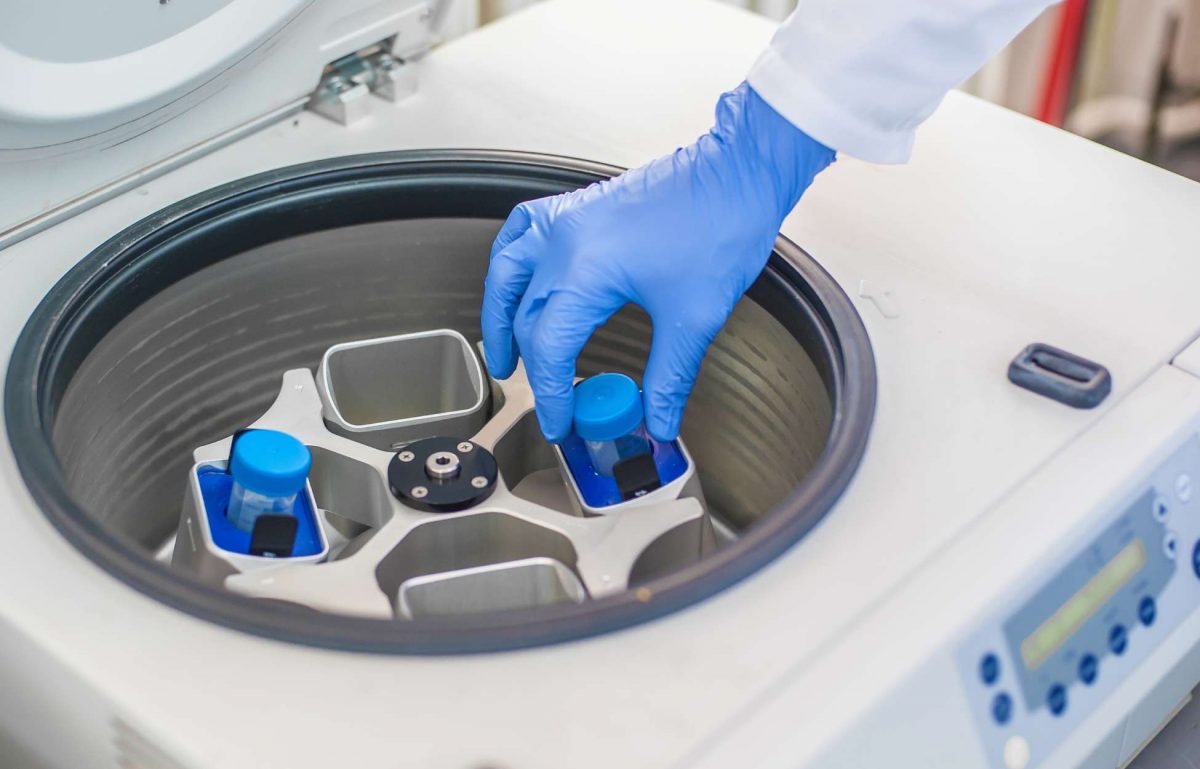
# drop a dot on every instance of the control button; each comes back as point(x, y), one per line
point(1002, 708)
point(1196, 559)
point(1056, 699)
point(1016, 752)
point(989, 669)
point(1183, 487)
point(1161, 511)
point(1088, 667)
point(1170, 544)
point(1117, 639)
point(1147, 611)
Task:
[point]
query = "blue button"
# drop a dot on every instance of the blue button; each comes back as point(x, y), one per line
point(1196, 559)
point(1002, 708)
point(1117, 639)
point(1056, 699)
point(1088, 667)
point(1147, 611)
point(989, 669)
point(1161, 511)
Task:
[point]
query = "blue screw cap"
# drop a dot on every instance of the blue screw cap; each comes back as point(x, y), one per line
point(270, 463)
point(607, 406)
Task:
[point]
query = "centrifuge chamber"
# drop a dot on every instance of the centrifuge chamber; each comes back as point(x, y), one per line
point(177, 331)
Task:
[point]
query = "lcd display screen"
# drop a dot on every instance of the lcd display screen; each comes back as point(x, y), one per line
point(1080, 607)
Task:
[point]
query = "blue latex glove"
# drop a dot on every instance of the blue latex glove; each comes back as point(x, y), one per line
point(683, 237)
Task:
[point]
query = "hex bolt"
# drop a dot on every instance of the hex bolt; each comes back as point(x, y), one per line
point(479, 482)
point(465, 446)
point(405, 456)
point(443, 465)
point(419, 492)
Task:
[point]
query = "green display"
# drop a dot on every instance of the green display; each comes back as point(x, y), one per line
point(1079, 608)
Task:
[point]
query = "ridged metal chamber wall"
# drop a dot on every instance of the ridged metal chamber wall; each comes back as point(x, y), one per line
point(176, 332)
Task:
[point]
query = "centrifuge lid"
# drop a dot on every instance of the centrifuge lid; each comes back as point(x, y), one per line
point(93, 93)
point(76, 68)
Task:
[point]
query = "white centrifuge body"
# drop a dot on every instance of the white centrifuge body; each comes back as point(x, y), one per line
point(884, 638)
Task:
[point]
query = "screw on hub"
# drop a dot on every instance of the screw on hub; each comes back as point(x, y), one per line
point(442, 465)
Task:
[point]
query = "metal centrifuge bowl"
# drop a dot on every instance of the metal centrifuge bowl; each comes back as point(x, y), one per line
point(174, 333)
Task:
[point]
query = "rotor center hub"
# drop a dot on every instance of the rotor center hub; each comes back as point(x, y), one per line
point(442, 474)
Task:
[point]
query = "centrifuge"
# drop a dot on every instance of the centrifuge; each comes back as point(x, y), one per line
point(935, 501)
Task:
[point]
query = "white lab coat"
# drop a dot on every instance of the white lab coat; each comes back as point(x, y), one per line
point(860, 75)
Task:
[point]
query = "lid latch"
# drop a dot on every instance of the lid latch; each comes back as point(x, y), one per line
point(342, 93)
point(1061, 376)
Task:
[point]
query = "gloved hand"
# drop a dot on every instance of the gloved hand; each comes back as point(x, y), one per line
point(683, 237)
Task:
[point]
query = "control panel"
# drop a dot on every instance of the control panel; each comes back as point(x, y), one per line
point(1045, 659)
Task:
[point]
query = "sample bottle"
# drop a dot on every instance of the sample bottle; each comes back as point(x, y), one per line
point(269, 469)
point(608, 417)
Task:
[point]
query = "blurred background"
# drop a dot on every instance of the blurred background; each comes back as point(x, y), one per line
point(1122, 72)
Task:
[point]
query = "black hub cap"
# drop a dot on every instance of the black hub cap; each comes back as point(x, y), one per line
point(442, 475)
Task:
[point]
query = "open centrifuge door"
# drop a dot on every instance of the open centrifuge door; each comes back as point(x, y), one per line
point(85, 115)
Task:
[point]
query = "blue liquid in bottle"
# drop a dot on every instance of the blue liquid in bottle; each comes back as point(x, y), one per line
point(609, 419)
point(269, 470)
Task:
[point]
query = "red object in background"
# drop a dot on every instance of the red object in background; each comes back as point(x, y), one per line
point(1064, 60)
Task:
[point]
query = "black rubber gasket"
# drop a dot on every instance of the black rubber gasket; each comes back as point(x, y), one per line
point(144, 258)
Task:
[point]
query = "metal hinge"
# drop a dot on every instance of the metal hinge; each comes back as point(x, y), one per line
point(347, 82)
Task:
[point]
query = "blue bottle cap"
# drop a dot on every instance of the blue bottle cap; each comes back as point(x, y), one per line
point(270, 463)
point(607, 406)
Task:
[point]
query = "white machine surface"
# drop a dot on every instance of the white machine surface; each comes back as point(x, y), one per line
point(862, 646)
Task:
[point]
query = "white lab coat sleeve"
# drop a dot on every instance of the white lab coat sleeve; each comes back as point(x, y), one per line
point(859, 76)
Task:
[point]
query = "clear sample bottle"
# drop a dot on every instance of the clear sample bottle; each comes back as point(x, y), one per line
point(608, 417)
point(269, 469)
